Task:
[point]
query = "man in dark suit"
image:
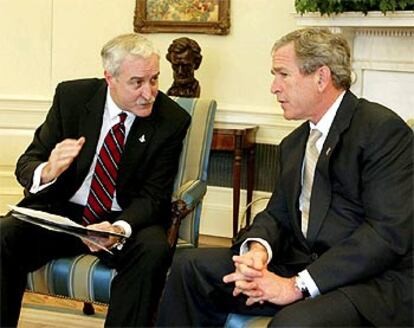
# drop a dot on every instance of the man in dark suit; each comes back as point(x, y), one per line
point(334, 246)
point(58, 169)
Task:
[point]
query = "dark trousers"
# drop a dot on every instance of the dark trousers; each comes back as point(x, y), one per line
point(195, 296)
point(141, 268)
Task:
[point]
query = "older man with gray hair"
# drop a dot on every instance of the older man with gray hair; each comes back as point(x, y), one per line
point(106, 156)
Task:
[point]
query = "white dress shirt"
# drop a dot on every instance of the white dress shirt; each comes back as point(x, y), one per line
point(110, 118)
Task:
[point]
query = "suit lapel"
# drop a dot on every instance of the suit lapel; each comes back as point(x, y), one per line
point(138, 140)
point(90, 124)
point(321, 190)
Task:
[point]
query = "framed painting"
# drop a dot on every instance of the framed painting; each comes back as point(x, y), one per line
point(183, 16)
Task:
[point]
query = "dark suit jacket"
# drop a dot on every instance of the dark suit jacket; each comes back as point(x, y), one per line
point(360, 236)
point(147, 170)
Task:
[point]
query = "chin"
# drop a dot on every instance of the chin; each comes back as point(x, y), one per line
point(287, 116)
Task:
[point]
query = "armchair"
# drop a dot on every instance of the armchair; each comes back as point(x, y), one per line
point(84, 277)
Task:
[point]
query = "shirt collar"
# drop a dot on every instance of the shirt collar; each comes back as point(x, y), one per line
point(325, 122)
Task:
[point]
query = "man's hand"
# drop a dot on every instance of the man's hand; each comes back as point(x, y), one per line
point(275, 289)
point(252, 279)
point(248, 267)
point(106, 242)
point(60, 158)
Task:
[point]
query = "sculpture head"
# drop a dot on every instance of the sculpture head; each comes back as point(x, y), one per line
point(185, 56)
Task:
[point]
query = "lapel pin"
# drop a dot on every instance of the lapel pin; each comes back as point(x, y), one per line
point(328, 151)
point(142, 138)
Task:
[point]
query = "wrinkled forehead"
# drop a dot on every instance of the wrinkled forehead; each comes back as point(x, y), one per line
point(284, 55)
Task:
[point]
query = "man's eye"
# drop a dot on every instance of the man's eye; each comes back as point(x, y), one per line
point(136, 84)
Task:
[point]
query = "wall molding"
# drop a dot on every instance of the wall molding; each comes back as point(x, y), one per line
point(273, 127)
point(22, 113)
point(28, 112)
point(217, 211)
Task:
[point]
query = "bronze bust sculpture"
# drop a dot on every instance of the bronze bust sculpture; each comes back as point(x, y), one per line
point(184, 54)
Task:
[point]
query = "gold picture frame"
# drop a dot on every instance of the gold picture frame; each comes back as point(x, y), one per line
point(184, 16)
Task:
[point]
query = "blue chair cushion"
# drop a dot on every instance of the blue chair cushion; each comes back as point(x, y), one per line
point(240, 321)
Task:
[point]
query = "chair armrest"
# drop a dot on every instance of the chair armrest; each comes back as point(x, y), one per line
point(191, 192)
point(185, 200)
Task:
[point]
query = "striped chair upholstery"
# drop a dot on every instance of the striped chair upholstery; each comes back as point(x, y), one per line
point(84, 277)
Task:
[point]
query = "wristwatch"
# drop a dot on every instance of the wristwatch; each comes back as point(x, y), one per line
point(301, 286)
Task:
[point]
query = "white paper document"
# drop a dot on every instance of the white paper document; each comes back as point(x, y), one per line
point(63, 224)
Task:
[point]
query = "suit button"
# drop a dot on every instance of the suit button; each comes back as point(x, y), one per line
point(314, 256)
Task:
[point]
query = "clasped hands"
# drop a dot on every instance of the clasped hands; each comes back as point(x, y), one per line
point(252, 279)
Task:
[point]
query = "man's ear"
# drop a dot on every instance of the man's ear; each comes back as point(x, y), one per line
point(108, 78)
point(323, 77)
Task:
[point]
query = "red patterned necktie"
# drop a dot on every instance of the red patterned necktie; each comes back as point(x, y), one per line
point(104, 178)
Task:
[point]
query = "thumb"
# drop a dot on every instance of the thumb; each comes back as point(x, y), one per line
point(259, 261)
point(81, 141)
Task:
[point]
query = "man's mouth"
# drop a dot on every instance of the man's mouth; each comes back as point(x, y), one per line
point(145, 102)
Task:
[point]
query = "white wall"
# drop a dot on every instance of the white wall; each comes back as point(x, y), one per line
point(43, 42)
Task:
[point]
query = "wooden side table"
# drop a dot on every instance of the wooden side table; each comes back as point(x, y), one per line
point(238, 139)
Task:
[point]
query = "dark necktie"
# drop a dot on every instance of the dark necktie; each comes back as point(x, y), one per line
point(311, 157)
point(103, 184)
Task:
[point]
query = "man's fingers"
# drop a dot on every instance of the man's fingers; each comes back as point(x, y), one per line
point(242, 259)
point(258, 261)
point(81, 141)
point(254, 260)
point(232, 277)
point(252, 300)
point(236, 292)
point(248, 272)
point(92, 247)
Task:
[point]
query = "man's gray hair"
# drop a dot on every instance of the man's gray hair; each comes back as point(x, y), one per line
point(316, 47)
point(114, 51)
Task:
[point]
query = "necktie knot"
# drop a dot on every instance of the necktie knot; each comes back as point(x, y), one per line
point(122, 117)
point(314, 136)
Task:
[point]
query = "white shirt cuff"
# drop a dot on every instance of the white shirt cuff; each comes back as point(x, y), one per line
point(124, 225)
point(244, 248)
point(310, 283)
point(36, 186)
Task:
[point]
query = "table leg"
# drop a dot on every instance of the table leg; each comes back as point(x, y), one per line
point(250, 183)
point(238, 155)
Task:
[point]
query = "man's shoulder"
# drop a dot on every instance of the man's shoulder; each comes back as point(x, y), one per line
point(298, 133)
point(168, 107)
point(80, 86)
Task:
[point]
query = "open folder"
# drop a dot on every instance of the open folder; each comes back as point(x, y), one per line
point(62, 224)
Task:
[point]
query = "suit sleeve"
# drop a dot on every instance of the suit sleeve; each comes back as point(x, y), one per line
point(270, 224)
point(45, 138)
point(384, 239)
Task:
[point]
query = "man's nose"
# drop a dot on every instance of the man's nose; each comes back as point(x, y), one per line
point(275, 86)
point(146, 91)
